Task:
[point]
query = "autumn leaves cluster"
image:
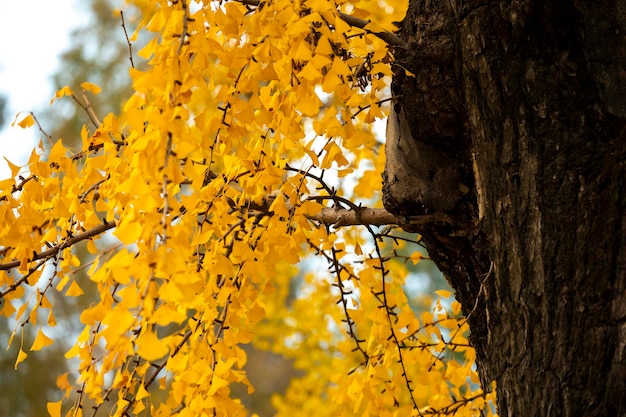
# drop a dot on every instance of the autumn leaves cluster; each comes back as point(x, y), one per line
point(195, 214)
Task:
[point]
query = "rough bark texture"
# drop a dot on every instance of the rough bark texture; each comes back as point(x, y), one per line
point(514, 126)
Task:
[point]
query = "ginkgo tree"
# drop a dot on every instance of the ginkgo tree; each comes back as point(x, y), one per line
point(246, 147)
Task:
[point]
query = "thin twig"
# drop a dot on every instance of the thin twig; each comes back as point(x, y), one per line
point(89, 109)
point(378, 103)
point(86, 107)
point(166, 181)
point(183, 36)
point(389, 313)
point(23, 182)
point(130, 46)
point(336, 269)
point(93, 187)
point(43, 132)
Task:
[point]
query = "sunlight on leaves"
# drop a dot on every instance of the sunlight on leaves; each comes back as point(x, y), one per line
point(228, 204)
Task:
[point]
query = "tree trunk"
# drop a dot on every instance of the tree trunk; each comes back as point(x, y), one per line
point(509, 116)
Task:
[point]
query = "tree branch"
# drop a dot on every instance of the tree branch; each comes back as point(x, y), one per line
point(365, 216)
point(62, 245)
point(347, 217)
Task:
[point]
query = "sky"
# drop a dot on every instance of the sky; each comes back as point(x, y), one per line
point(33, 34)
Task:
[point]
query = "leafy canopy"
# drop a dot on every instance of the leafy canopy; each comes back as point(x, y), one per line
point(246, 148)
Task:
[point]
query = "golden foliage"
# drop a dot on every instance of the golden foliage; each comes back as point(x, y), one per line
point(199, 202)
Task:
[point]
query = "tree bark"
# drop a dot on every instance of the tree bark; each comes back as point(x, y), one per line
point(509, 116)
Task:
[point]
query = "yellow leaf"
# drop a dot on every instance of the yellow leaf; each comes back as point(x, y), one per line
point(138, 408)
point(74, 290)
point(150, 347)
point(444, 293)
point(91, 87)
point(50, 236)
point(62, 283)
point(310, 73)
point(415, 257)
point(255, 314)
point(324, 47)
point(456, 307)
point(303, 51)
point(57, 152)
point(91, 247)
point(7, 309)
point(310, 208)
point(157, 22)
point(63, 383)
point(14, 168)
point(374, 27)
point(65, 91)
point(54, 408)
point(223, 266)
point(141, 393)
point(21, 356)
point(26, 122)
point(41, 341)
point(73, 352)
point(279, 207)
point(51, 320)
point(216, 384)
point(128, 231)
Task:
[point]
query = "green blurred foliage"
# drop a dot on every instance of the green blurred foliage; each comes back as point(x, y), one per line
point(3, 103)
point(99, 54)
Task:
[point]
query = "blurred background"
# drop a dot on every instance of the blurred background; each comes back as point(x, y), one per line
point(32, 38)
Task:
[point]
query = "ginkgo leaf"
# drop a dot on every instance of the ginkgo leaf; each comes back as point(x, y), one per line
point(217, 383)
point(255, 314)
point(14, 168)
point(310, 208)
point(128, 231)
point(57, 152)
point(358, 250)
point(21, 356)
point(64, 91)
point(26, 122)
point(150, 347)
point(456, 307)
point(51, 319)
point(91, 247)
point(444, 293)
point(62, 283)
point(74, 290)
point(63, 383)
point(141, 393)
point(7, 309)
point(41, 341)
point(54, 408)
point(91, 87)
